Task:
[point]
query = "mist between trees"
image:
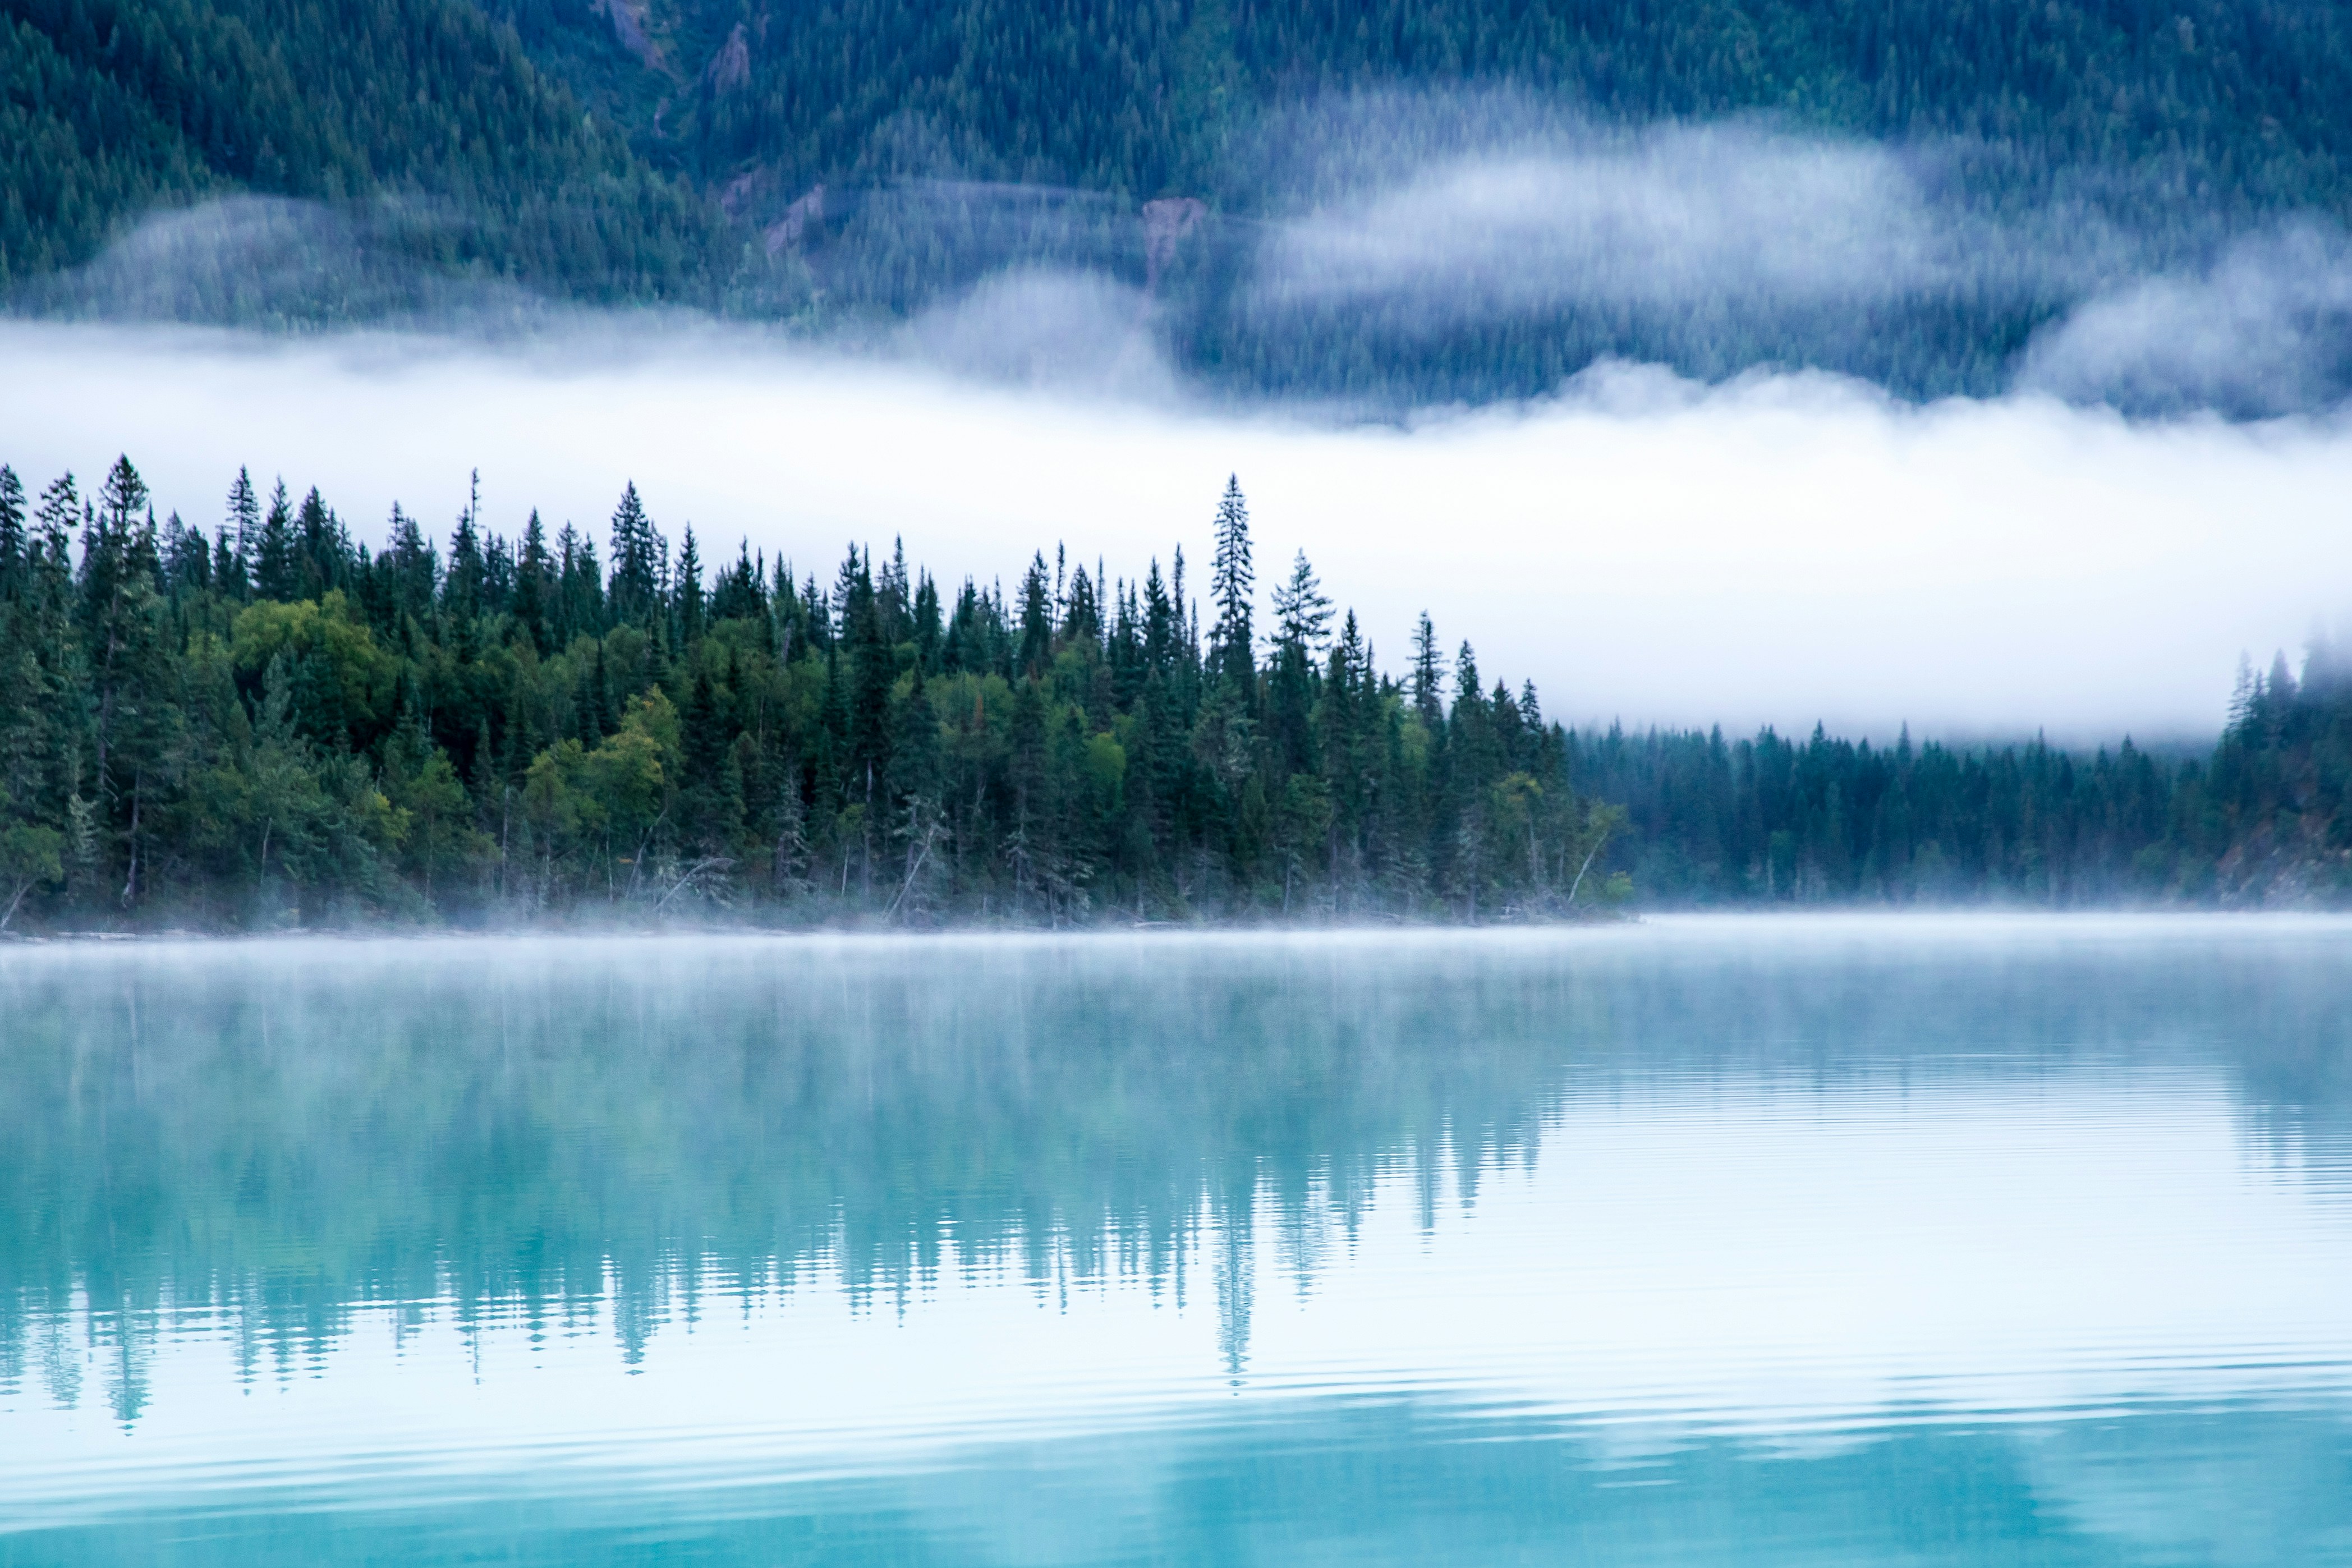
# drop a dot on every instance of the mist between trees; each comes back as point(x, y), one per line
point(276, 726)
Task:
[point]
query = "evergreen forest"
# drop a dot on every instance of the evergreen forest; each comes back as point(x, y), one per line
point(844, 168)
point(279, 726)
point(419, 122)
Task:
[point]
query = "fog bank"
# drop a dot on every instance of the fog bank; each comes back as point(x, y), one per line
point(1780, 549)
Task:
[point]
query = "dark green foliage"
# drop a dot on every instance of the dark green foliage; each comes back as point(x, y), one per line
point(420, 117)
point(499, 732)
point(903, 152)
point(2268, 818)
point(285, 726)
point(842, 165)
point(1137, 102)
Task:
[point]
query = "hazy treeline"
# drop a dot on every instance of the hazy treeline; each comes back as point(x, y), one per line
point(280, 725)
point(2267, 816)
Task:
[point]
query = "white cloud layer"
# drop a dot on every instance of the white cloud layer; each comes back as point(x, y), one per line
point(1682, 216)
point(1780, 549)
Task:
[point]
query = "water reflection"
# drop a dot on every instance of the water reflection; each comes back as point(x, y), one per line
point(1782, 1241)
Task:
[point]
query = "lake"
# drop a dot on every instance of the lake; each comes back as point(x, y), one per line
point(1916, 1239)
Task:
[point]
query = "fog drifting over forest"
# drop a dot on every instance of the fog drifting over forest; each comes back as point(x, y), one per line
point(1774, 548)
point(1780, 549)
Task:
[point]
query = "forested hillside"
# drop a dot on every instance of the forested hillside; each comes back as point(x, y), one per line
point(420, 119)
point(278, 725)
point(2233, 101)
point(853, 165)
point(2064, 146)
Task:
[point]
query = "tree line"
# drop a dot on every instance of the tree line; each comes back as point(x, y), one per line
point(2264, 817)
point(276, 725)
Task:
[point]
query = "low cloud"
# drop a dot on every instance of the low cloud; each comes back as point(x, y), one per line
point(271, 261)
point(2267, 330)
point(1397, 250)
point(1739, 545)
point(1484, 228)
point(1721, 246)
point(1681, 217)
point(1780, 549)
point(1070, 331)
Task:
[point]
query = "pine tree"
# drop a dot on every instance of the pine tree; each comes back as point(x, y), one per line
point(131, 660)
point(1232, 583)
point(534, 588)
point(12, 531)
point(929, 633)
point(704, 743)
point(1302, 615)
point(639, 552)
point(462, 592)
point(322, 553)
point(276, 573)
point(1428, 674)
point(688, 589)
point(1036, 618)
point(243, 520)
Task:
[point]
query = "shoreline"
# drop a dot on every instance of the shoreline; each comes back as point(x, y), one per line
point(1848, 922)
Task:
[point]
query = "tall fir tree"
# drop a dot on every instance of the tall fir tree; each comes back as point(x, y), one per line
point(1231, 587)
point(636, 595)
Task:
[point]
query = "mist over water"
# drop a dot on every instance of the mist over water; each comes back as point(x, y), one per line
point(1723, 1239)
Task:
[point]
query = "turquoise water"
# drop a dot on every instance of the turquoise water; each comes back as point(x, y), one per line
point(1766, 1241)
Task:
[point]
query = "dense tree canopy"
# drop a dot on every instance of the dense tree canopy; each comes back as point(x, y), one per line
point(420, 115)
point(278, 725)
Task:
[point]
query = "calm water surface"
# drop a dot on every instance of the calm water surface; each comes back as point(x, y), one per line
point(1891, 1240)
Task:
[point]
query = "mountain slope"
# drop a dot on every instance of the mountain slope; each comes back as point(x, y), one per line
point(2234, 100)
point(2055, 149)
point(422, 110)
point(1942, 184)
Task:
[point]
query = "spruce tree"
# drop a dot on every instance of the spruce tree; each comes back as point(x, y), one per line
point(1428, 674)
point(534, 588)
point(1302, 615)
point(244, 520)
point(463, 590)
point(635, 597)
point(1231, 585)
point(1036, 618)
point(12, 530)
point(276, 573)
point(688, 594)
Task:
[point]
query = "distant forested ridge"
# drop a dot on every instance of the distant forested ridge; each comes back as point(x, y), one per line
point(278, 726)
point(858, 163)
